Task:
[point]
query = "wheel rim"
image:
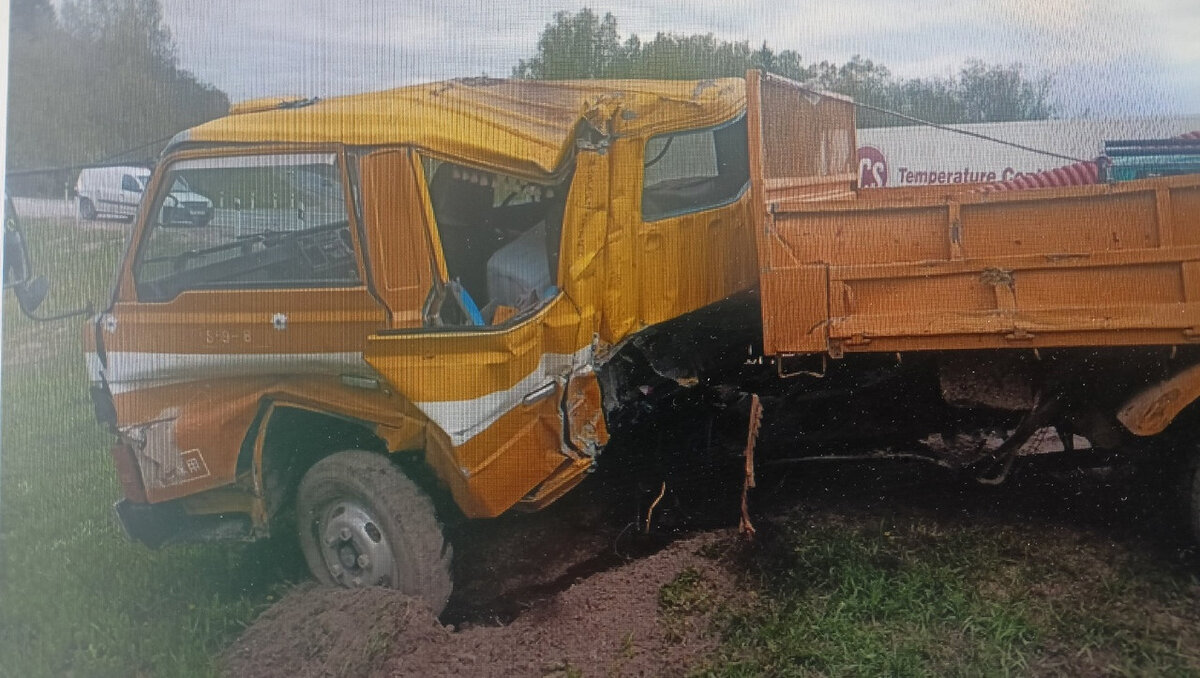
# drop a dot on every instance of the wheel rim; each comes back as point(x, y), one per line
point(355, 550)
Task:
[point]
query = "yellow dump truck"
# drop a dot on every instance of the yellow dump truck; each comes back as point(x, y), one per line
point(458, 289)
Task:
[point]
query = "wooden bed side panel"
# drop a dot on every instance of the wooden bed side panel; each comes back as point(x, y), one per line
point(1107, 265)
point(1123, 221)
point(1183, 214)
point(795, 309)
point(867, 237)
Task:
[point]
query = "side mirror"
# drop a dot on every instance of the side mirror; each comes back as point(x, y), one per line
point(18, 270)
point(31, 294)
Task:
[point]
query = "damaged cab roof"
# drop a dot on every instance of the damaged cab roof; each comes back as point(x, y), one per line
point(526, 127)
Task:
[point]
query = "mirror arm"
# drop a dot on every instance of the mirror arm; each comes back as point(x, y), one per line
point(86, 310)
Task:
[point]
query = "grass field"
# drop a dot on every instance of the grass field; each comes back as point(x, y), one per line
point(876, 593)
point(845, 588)
point(77, 597)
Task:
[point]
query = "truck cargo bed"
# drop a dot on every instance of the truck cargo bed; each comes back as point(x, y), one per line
point(1111, 264)
point(954, 267)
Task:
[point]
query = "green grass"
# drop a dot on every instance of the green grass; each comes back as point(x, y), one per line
point(76, 597)
point(859, 596)
point(912, 597)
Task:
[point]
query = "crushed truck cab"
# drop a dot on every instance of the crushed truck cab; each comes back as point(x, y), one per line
point(457, 289)
point(435, 272)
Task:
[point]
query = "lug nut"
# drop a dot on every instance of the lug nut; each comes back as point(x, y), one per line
point(345, 534)
point(364, 561)
point(336, 570)
point(358, 581)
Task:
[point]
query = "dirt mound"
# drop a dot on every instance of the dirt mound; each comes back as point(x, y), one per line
point(649, 617)
point(315, 631)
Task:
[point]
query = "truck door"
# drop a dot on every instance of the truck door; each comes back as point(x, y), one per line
point(802, 147)
point(693, 237)
point(503, 358)
point(206, 316)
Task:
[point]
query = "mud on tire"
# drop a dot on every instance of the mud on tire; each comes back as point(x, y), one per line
point(86, 209)
point(362, 522)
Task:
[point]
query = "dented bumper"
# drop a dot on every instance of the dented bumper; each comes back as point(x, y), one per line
point(157, 525)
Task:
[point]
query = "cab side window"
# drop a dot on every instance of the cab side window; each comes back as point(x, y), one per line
point(500, 238)
point(128, 183)
point(693, 171)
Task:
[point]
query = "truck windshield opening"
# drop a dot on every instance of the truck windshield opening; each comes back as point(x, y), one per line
point(247, 221)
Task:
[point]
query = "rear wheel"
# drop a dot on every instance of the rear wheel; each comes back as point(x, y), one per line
point(362, 522)
point(86, 209)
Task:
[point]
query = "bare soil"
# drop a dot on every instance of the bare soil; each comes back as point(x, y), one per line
point(609, 624)
point(576, 591)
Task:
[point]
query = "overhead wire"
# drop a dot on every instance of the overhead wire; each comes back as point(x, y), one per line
point(107, 160)
point(947, 128)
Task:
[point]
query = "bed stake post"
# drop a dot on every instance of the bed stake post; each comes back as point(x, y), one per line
point(744, 525)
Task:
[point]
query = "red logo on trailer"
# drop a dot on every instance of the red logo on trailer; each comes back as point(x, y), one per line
point(872, 168)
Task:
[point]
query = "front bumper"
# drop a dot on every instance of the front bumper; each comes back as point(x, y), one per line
point(157, 525)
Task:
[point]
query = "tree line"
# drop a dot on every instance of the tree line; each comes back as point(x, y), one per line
point(585, 45)
point(95, 78)
point(98, 77)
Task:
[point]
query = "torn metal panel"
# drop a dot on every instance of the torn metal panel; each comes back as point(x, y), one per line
point(1152, 410)
point(568, 475)
point(464, 419)
point(587, 432)
point(491, 472)
point(162, 462)
point(495, 401)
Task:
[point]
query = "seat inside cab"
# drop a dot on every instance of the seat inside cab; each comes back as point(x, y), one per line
point(500, 238)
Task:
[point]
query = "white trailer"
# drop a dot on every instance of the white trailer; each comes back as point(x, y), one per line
point(921, 156)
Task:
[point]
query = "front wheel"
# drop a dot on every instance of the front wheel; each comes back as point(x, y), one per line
point(362, 522)
point(86, 209)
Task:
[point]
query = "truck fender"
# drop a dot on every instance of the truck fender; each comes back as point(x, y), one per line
point(1154, 408)
point(384, 413)
point(195, 436)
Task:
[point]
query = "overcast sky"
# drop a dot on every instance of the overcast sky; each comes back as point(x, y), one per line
point(1109, 57)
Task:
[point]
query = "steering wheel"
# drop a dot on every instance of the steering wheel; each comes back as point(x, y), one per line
point(167, 213)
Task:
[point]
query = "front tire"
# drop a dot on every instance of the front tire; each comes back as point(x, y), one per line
point(362, 522)
point(87, 210)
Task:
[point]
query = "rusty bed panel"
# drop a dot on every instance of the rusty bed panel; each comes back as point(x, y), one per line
point(1092, 265)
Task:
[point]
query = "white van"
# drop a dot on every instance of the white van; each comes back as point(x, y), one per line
point(117, 191)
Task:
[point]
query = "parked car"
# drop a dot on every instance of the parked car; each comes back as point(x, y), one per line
point(117, 191)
